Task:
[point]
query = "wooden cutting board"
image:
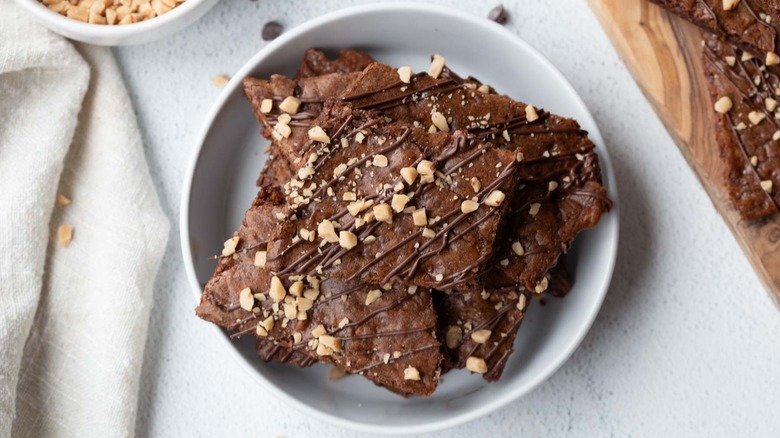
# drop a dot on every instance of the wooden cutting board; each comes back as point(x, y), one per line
point(663, 53)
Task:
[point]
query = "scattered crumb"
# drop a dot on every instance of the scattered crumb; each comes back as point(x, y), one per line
point(220, 81)
point(64, 235)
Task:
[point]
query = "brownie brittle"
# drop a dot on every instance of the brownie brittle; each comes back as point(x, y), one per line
point(744, 93)
point(387, 334)
point(560, 191)
point(382, 202)
point(746, 23)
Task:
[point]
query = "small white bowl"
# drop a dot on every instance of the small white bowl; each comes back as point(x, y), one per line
point(220, 185)
point(119, 35)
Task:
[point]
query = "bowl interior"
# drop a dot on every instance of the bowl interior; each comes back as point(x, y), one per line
point(231, 156)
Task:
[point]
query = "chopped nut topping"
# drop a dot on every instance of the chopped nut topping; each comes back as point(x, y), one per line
point(730, 4)
point(330, 342)
point(767, 185)
point(521, 302)
point(246, 300)
point(530, 113)
point(308, 235)
point(754, 159)
point(317, 134)
point(534, 209)
point(495, 198)
point(542, 285)
point(336, 373)
point(62, 200)
point(411, 373)
point(296, 289)
point(771, 104)
point(277, 292)
point(347, 239)
point(425, 167)
point(383, 213)
point(380, 160)
point(356, 207)
point(730, 60)
point(399, 202)
point(297, 337)
point(439, 277)
point(440, 121)
point(484, 89)
point(476, 365)
point(405, 74)
point(323, 350)
point(723, 105)
point(319, 331)
point(481, 336)
point(745, 55)
point(409, 174)
point(504, 262)
point(420, 218)
point(341, 168)
point(343, 323)
point(517, 248)
point(268, 323)
point(453, 336)
point(229, 246)
point(281, 130)
point(475, 184)
point(327, 231)
point(437, 65)
point(468, 206)
point(290, 310)
point(756, 117)
point(428, 233)
point(290, 105)
point(266, 106)
point(772, 58)
point(372, 296)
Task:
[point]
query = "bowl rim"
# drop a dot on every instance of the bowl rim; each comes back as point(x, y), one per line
point(565, 351)
point(123, 31)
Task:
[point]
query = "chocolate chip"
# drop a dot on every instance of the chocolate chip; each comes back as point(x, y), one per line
point(271, 30)
point(498, 14)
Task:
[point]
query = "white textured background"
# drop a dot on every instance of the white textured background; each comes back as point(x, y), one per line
point(687, 342)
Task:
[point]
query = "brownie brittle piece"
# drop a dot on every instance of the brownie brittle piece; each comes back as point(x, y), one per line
point(746, 23)
point(479, 328)
point(388, 334)
point(560, 191)
point(744, 95)
point(381, 202)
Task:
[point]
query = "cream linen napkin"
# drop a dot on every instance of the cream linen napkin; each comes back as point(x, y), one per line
point(73, 319)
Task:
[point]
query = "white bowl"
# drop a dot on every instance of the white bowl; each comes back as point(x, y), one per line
point(220, 186)
point(120, 35)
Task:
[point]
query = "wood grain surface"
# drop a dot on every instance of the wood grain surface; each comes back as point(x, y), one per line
point(663, 53)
